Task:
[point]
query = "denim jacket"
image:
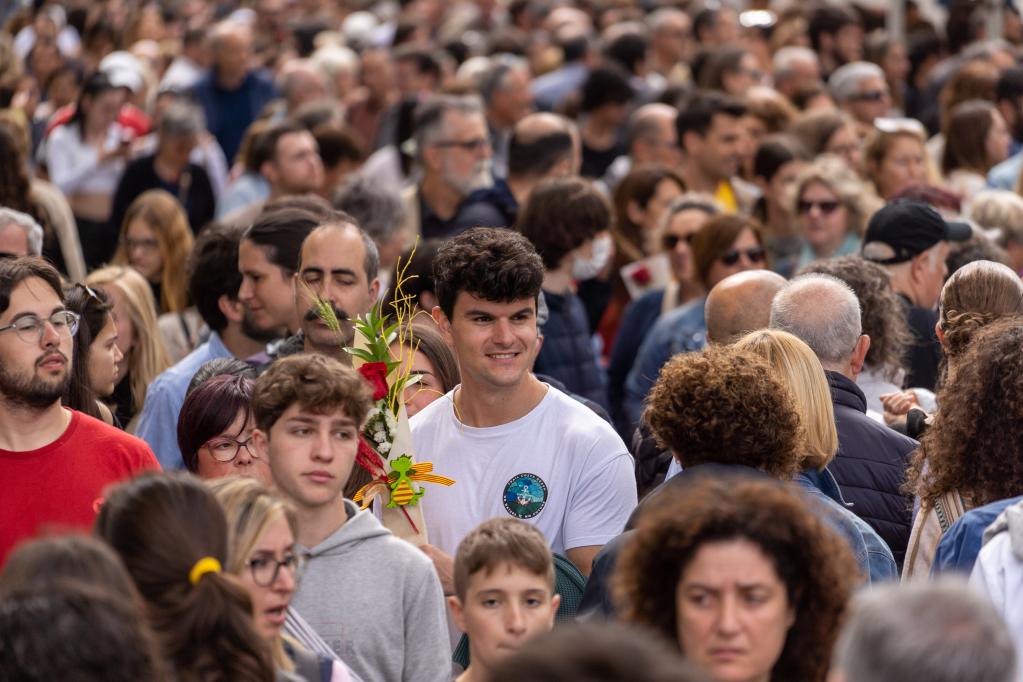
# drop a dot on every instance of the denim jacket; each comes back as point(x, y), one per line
point(872, 554)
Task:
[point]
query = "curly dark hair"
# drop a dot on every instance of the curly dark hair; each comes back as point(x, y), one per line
point(975, 445)
point(494, 264)
point(725, 406)
point(814, 563)
point(881, 313)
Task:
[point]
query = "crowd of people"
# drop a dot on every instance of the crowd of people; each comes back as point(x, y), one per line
point(714, 315)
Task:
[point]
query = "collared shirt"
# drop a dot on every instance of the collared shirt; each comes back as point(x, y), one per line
point(158, 423)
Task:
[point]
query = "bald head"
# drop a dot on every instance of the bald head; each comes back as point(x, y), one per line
point(740, 304)
point(823, 312)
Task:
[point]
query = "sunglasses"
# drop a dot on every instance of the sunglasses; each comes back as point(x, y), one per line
point(900, 125)
point(826, 207)
point(753, 255)
point(670, 241)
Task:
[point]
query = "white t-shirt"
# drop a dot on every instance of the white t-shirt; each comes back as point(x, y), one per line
point(561, 468)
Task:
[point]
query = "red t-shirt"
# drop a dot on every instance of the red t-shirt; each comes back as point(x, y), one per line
point(59, 486)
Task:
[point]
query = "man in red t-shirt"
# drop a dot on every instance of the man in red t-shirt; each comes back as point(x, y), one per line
point(54, 463)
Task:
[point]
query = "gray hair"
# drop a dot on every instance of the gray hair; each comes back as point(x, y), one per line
point(645, 122)
point(823, 312)
point(33, 230)
point(786, 58)
point(939, 632)
point(845, 81)
point(493, 78)
point(182, 118)
point(378, 210)
point(429, 116)
point(657, 19)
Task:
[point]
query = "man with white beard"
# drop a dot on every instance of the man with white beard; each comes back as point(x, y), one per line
point(454, 156)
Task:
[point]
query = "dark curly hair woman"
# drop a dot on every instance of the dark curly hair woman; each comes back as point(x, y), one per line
point(972, 454)
point(750, 583)
point(882, 320)
point(725, 406)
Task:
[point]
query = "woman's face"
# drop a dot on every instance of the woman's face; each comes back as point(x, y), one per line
point(270, 602)
point(823, 218)
point(427, 389)
point(650, 217)
point(998, 140)
point(101, 110)
point(745, 253)
point(895, 63)
point(733, 612)
point(126, 337)
point(780, 185)
point(679, 232)
point(904, 165)
point(104, 356)
point(143, 249)
point(846, 143)
point(234, 444)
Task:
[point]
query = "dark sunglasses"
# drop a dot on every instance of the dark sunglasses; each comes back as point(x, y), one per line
point(670, 241)
point(754, 255)
point(826, 207)
point(869, 96)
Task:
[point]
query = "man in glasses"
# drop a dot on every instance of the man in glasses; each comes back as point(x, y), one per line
point(54, 462)
point(20, 234)
point(860, 89)
point(453, 152)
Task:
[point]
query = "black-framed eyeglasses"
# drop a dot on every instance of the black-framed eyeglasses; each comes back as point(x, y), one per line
point(226, 449)
point(755, 254)
point(826, 207)
point(472, 146)
point(30, 328)
point(264, 569)
point(670, 241)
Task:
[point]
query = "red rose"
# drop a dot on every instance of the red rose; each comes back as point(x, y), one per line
point(641, 275)
point(376, 374)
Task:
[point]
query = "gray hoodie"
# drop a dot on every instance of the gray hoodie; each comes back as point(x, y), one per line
point(377, 601)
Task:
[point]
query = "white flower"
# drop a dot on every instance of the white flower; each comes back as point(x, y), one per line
point(380, 437)
point(384, 448)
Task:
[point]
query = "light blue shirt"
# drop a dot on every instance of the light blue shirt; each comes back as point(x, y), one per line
point(1005, 174)
point(158, 423)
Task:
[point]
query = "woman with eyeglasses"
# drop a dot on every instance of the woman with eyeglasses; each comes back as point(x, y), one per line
point(265, 560)
point(832, 206)
point(895, 156)
point(95, 356)
point(215, 428)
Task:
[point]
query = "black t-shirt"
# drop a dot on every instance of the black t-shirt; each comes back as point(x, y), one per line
point(195, 192)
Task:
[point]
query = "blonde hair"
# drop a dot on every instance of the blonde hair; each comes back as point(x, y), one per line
point(999, 210)
point(798, 367)
point(250, 509)
point(149, 356)
point(165, 217)
point(858, 197)
point(880, 143)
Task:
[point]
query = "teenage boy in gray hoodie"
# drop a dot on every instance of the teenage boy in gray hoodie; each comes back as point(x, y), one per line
point(375, 599)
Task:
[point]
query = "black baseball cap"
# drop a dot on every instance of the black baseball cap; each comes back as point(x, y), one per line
point(904, 229)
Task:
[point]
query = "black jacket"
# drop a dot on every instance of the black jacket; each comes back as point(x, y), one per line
point(870, 466)
point(567, 353)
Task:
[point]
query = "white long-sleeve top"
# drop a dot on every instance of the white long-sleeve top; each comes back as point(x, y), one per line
point(74, 166)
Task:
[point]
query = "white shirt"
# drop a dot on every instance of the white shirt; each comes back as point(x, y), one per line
point(74, 166)
point(560, 468)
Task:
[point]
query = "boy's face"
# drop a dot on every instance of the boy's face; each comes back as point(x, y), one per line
point(495, 343)
point(310, 455)
point(502, 610)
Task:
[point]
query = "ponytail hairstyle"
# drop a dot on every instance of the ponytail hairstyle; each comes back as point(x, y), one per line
point(974, 296)
point(162, 526)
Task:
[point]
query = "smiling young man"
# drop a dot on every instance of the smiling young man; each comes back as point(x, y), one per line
point(516, 447)
point(372, 597)
point(54, 462)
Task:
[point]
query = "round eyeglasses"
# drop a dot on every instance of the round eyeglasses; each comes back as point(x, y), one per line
point(226, 449)
point(264, 569)
point(30, 328)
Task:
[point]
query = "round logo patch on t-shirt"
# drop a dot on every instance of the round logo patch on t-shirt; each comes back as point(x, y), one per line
point(525, 495)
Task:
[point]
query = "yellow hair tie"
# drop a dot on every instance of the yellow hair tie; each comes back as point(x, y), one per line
point(203, 566)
